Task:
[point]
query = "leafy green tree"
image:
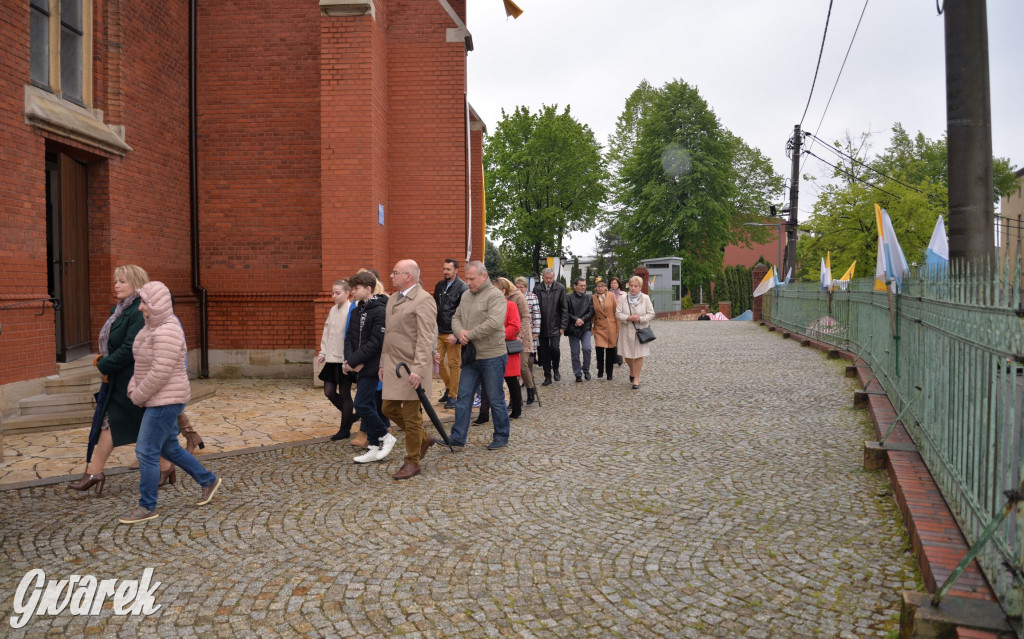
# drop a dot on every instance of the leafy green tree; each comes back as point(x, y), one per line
point(684, 185)
point(911, 177)
point(574, 273)
point(493, 260)
point(545, 178)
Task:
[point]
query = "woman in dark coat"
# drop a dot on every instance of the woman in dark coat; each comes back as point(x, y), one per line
point(122, 418)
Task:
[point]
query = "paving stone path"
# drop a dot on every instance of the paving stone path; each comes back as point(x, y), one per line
point(725, 498)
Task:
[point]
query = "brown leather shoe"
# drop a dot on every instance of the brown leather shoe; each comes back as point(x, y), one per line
point(428, 441)
point(360, 440)
point(407, 470)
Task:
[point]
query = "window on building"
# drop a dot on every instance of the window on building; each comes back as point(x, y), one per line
point(675, 272)
point(675, 293)
point(61, 47)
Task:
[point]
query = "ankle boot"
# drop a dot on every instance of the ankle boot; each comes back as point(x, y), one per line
point(192, 438)
point(168, 476)
point(483, 418)
point(530, 395)
point(88, 481)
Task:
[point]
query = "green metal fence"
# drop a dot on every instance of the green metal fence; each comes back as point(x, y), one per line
point(948, 353)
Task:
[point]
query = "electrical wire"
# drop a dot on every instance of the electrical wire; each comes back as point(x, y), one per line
point(866, 166)
point(818, 66)
point(851, 175)
point(845, 58)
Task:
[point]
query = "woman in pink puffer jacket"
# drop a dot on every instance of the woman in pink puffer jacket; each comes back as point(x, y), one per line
point(160, 384)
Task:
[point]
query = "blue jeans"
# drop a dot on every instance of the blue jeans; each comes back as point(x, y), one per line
point(491, 373)
point(366, 405)
point(158, 437)
point(574, 349)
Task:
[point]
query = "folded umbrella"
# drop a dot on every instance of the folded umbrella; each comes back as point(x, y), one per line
point(425, 402)
point(102, 397)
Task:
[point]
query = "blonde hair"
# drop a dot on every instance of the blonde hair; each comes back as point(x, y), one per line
point(522, 280)
point(378, 288)
point(506, 285)
point(639, 280)
point(133, 274)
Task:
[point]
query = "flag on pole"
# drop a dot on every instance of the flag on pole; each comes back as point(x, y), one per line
point(789, 276)
point(512, 10)
point(768, 283)
point(844, 281)
point(892, 265)
point(937, 255)
point(826, 272)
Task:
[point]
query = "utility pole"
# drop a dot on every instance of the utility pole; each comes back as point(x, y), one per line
point(794, 192)
point(969, 131)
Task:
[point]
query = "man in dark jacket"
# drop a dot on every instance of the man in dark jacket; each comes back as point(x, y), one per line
point(447, 295)
point(364, 339)
point(553, 320)
point(580, 308)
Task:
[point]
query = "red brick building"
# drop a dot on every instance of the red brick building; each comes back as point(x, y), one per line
point(285, 145)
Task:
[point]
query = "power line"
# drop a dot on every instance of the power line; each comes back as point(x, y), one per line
point(818, 66)
point(848, 49)
point(867, 166)
point(851, 175)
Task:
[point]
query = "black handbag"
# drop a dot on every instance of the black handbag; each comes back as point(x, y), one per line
point(513, 346)
point(643, 335)
point(468, 353)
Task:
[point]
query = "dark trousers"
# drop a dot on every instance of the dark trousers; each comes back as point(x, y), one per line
point(547, 352)
point(515, 397)
point(606, 359)
point(366, 404)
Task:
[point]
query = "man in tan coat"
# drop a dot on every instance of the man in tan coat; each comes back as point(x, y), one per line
point(410, 321)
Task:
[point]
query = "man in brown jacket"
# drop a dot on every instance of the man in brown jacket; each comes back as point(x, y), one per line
point(410, 321)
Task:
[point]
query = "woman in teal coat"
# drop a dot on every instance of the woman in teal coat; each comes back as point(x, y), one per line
point(122, 418)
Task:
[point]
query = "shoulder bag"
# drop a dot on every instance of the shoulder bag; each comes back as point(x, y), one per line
point(513, 346)
point(643, 335)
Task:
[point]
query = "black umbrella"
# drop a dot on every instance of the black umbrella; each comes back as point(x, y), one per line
point(102, 398)
point(425, 401)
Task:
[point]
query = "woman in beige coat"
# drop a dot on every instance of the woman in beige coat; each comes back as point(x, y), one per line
point(635, 310)
point(606, 329)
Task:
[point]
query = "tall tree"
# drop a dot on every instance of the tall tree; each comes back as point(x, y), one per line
point(909, 180)
point(545, 178)
point(684, 185)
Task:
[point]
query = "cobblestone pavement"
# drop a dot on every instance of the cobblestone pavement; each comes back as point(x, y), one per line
point(725, 498)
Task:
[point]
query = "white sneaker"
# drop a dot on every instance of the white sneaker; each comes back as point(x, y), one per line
point(386, 444)
point(369, 456)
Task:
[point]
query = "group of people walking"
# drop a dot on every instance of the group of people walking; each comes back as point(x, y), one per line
point(143, 358)
point(482, 336)
point(479, 335)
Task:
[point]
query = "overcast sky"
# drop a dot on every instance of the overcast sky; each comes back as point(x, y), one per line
point(751, 60)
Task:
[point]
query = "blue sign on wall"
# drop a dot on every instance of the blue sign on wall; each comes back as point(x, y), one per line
point(380, 213)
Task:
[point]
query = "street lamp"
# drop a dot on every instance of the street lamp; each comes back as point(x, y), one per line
point(778, 224)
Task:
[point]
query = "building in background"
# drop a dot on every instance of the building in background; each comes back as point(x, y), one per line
point(295, 143)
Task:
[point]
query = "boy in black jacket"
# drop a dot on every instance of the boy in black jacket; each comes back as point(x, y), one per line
point(364, 339)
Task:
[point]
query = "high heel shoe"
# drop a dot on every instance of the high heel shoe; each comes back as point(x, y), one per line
point(168, 476)
point(192, 438)
point(88, 481)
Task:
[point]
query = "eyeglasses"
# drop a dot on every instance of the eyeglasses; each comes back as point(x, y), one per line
point(393, 273)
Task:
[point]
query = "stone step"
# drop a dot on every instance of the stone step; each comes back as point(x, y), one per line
point(81, 383)
point(60, 403)
point(76, 367)
point(41, 423)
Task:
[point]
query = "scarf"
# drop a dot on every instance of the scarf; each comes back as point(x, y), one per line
point(634, 300)
point(105, 331)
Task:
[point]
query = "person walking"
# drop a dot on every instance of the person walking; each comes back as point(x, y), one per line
point(364, 339)
point(337, 383)
point(515, 393)
point(553, 320)
point(515, 295)
point(480, 321)
point(447, 295)
point(160, 384)
point(634, 311)
point(606, 329)
point(410, 321)
point(580, 308)
point(120, 417)
point(530, 345)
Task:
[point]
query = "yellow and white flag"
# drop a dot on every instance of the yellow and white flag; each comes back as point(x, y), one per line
point(844, 281)
point(767, 284)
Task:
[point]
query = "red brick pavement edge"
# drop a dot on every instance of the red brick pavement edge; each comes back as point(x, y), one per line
point(938, 543)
